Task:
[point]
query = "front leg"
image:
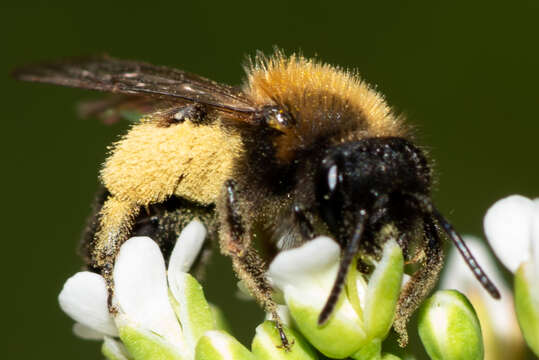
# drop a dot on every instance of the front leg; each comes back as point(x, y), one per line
point(422, 282)
point(235, 242)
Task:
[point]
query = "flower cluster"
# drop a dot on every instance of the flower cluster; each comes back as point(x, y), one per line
point(149, 300)
point(511, 226)
point(364, 314)
point(163, 314)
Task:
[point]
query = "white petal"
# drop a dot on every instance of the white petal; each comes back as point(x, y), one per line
point(296, 266)
point(507, 226)
point(84, 298)
point(457, 275)
point(87, 333)
point(187, 247)
point(141, 288)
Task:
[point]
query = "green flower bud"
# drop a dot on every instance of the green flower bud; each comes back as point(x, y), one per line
point(449, 327)
point(218, 345)
point(340, 337)
point(305, 275)
point(527, 304)
point(267, 344)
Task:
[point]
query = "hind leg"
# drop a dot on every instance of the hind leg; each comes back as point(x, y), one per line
point(248, 265)
point(113, 224)
point(162, 223)
point(87, 241)
point(421, 283)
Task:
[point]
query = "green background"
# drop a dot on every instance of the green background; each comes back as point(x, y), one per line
point(464, 72)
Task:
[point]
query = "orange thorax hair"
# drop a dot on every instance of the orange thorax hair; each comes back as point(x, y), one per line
point(324, 100)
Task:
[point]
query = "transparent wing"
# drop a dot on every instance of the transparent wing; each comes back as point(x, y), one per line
point(104, 73)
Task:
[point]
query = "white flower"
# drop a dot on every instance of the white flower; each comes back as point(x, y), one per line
point(512, 228)
point(163, 315)
point(498, 321)
point(142, 296)
point(364, 313)
point(84, 298)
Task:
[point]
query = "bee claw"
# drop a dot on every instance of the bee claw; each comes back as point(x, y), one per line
point(285, 344)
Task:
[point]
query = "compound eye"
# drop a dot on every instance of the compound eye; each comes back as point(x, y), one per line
point(329, 192)
point(333, 177)
point(329, 180)
point(277, 118)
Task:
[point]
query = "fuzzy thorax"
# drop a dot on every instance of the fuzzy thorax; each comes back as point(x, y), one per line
point(323, 99)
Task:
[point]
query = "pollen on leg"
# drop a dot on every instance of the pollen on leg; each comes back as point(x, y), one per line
point(115, 223)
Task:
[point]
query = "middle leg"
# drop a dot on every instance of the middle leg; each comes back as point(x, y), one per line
point(235, 242)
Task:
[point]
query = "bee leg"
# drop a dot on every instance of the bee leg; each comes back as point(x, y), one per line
point(422, 282)
point(116, 219)
point(87, 241)
point(247, 263)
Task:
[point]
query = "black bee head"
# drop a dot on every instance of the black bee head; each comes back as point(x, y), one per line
point(365, 184)
point(373, 175)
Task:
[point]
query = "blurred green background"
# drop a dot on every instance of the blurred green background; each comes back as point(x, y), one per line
point(465, 73)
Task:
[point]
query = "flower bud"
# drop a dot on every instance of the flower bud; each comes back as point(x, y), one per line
point(306, 275)
point(527, 304)
point(267, 344)
point(449, 327)
point(218, 345)
point(363, 314)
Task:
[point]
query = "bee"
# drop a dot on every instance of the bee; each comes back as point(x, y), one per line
point(301, 149)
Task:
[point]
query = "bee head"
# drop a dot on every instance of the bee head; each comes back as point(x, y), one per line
point(362, 185)
point(373, 175)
